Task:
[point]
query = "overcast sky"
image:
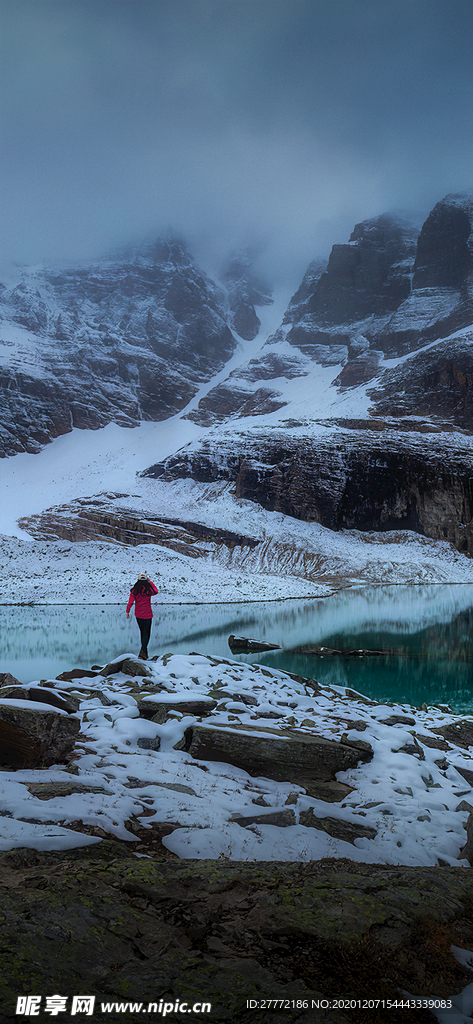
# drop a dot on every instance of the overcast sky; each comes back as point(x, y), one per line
point(275, 122)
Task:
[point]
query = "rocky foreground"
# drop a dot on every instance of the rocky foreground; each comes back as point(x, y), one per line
point(197, 828)
point(100, 921)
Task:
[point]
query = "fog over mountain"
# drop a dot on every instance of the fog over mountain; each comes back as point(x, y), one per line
point(277, 123)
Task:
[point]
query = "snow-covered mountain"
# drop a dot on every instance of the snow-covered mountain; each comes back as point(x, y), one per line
point(364, 394)
point(352, 414)
point(122, 340)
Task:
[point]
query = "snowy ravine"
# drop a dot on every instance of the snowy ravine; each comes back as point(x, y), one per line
point(409, 804)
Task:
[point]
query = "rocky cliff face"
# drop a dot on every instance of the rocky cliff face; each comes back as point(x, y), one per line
point(122, 340)
point(368, 275)
point(353, 480)
point(384, 294)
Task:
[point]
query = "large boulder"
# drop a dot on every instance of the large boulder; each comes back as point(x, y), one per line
point(6, 679)
point(283, 755)
point(129, 665)
point(40, 695)
point(246, 645)
point(35, 737)
point(159, 710)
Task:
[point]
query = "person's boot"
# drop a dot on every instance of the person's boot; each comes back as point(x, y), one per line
point(143, 655)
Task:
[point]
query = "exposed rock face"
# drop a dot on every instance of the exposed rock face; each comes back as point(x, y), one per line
point(444, 256)
point(220, 931)
point(234, 396)
point(366, 297)
point(369, 275)
point(245, 292)
point(362, 482)
point(364, 282)
point(441, 300)
point(121, 340)
point(383, 294)
point(437, 383)
point(306, 760)
point(99, 517)
point(229, 399)
point(31, 738)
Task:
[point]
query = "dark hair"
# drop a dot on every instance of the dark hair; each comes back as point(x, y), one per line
point(142, 588)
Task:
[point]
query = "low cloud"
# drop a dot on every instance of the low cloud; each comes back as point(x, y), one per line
point(274, 122)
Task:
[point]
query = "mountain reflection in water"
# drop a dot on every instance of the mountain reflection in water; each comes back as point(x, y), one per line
point(431, 628)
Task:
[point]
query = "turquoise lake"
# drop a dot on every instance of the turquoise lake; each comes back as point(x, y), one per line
point(430, 627)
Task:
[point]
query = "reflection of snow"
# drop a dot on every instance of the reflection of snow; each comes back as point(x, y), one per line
point(41, 642)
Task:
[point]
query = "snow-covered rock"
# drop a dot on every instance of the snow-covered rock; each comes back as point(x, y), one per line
point(265, 766)
point(125, 339)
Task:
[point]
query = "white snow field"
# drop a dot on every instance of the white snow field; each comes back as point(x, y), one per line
point(416, 800)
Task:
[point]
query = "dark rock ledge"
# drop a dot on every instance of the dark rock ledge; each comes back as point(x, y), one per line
point(362, 481)
point(100, 921)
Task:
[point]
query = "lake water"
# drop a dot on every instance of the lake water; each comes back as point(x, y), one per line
point(431, 628)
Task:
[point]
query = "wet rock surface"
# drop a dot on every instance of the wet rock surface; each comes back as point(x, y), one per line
point(138, 930)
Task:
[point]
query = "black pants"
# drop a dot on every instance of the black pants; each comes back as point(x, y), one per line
point(145, 630)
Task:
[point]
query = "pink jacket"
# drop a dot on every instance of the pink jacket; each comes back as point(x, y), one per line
point(142, 604)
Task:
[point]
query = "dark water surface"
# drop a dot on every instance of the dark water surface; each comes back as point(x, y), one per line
point(430, 627)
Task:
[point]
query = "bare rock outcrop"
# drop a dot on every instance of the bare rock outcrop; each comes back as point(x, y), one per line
point(293, 932)
point(356, 480)
point(102, 517)
point(35, 737)
point(284, 755)
point(437, 383)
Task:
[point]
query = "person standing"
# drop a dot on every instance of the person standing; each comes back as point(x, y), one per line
point(141, 595)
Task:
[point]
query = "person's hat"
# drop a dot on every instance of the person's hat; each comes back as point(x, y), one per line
point(142, 576)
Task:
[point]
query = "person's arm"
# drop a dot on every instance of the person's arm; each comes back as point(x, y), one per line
point(155, 589)
point(130, 602)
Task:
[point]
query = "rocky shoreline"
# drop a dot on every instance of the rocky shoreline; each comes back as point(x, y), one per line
point(204, 829)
